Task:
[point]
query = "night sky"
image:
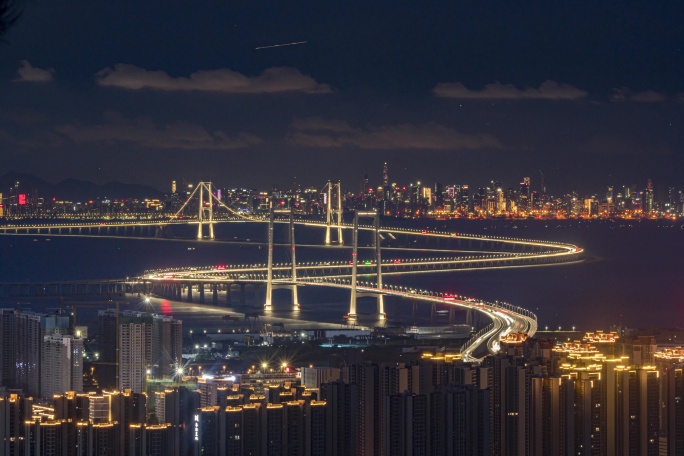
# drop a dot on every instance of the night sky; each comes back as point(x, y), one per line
point(591, 93)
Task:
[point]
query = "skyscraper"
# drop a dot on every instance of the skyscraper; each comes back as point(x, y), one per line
point(167, 345)
point(62, 365)
point(8, 347)
point(15, 410)
point(22, 335)
point(368, 427)
point(341, 416)
point(105, 366)
point(178, 407)
point(134, 355)
point(385, 182)
point(406, 419)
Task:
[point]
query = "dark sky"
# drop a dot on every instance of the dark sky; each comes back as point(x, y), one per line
point(591, 93)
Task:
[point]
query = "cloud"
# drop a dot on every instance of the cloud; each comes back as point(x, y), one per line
point(548, 90)
point(320, 124)
point(317, 132)
point(648, 96)
point(271, 80)
point(144, 132)
point(29, 73)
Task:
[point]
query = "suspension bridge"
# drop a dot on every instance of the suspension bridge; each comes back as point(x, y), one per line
point(483, 252)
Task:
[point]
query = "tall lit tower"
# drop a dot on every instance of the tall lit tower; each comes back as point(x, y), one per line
point(173, 187)
point(334, 211)
point(385, 182)
point(647, 199)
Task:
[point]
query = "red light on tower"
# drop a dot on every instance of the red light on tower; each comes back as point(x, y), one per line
point(22, 199)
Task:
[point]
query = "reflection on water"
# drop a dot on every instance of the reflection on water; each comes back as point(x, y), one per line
point(633, 275)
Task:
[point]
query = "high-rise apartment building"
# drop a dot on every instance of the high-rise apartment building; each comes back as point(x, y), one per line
point(134, 354)
point(368, 427)
point(15, 410)
point(178, 407)
point(8, 347)
point(406, 423)
point(22, 333)
point(341, 416)
point(167, 346)
point(62, 365)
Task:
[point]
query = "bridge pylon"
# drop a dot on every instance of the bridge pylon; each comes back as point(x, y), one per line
point(268, 305)
point(205, 213)
point(334, 212)
point(355, 260)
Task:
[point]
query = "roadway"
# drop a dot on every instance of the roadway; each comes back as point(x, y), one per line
point(507, 252)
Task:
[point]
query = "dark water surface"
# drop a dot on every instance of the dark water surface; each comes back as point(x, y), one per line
point(633, 274)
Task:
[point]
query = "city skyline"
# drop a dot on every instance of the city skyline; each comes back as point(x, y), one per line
point(373, 228)
point(538, 182)
point(585, 93)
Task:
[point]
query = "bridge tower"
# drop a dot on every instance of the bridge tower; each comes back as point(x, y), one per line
point(334, 212)
point(268, 305)
point(205, 213)
point(352, 316)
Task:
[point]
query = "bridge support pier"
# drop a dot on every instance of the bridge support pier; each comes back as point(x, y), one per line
point(189, 285)
point(268, 305)
point(378, 262)
point(243, 294)
point(433, 313)
point(269, 277)
point(295, 297)
point(352, 315)
point(214, 294)
point(469, 318)
point(334, 191)
point(452, 315)
point(200, 286)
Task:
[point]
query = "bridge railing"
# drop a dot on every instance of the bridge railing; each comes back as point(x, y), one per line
point(420, 293)
point(470, 342)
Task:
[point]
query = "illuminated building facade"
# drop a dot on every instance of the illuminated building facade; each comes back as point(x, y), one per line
point(62, 365)
point(135, 347)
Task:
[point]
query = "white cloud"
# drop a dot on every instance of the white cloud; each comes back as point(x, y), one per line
point(29, 73)
point(317, 132)
point(144, 132)
point(271, 80)
point(548, 90)
point(648, 96)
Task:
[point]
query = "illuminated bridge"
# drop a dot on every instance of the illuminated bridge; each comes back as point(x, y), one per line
point(455, 252)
